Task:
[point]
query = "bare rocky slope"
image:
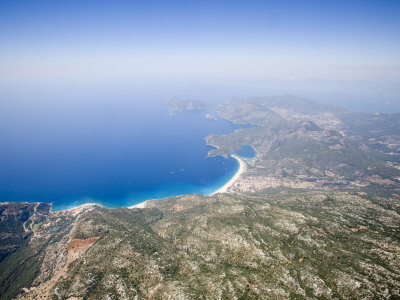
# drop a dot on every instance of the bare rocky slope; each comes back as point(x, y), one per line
point(316, 215)
point(277, 245)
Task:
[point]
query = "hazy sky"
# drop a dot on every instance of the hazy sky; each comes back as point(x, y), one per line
point(353, 44)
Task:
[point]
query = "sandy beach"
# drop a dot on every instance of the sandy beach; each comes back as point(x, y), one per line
point(78, 209)
point(223, 189)
point(242, 168)
point(139, 205)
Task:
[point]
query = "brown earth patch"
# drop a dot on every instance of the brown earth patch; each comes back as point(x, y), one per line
point(74, 249)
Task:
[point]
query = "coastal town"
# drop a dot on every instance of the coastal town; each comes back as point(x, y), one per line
point(316, 207)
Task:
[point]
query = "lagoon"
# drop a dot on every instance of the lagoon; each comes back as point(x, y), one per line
point(246, 151)
point(116, 154)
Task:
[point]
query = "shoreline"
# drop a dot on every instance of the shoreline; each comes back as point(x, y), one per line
point(139, 205)
point(223, 189)
point(226, 186)
point(78, 209)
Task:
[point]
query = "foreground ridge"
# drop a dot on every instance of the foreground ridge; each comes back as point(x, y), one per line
point(280, 244)
point(315, 215)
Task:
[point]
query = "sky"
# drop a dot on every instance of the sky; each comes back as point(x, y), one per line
point(318, 47)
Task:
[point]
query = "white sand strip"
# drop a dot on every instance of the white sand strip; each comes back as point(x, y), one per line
point(139, 205)
point(242, 168)
point(223, 189)
point(78, 209)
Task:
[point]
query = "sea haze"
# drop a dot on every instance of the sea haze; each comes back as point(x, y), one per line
point(116, 153)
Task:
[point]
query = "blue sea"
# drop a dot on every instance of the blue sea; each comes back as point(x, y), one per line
point(113, 153)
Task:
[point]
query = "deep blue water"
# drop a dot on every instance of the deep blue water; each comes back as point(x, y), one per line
point(246, 151)
point(115, 154)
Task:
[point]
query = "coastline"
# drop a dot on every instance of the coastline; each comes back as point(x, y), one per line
point(139, 205)
point(226, 186)
point(223, 189)
point(89, 206)
point(78, 209)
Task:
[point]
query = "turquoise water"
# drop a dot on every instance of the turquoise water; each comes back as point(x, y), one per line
point(114, 154)
point(246, 151)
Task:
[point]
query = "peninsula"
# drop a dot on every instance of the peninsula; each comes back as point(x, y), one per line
point(179, 105)
point(316, 215)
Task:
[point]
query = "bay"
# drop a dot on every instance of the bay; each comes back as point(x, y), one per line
point(113, 153)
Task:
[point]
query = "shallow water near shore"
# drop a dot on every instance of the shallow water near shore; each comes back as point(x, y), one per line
point(246, 151)
point(115, 156)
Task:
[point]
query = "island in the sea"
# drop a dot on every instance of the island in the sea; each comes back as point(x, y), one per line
point(313, 212)
point(176, 104)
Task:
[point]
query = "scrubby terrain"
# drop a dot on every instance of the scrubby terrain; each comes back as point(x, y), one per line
point(303, 144)
point(277, 245)
point(316, 215)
